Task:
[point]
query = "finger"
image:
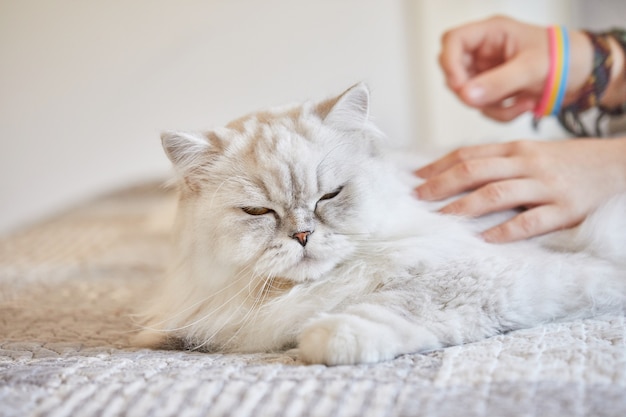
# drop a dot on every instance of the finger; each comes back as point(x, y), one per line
point(459, 44)
point(453, 81)
point(499, 196)
point(494, 85)
point(453, 58)
point(508, 113)
point(530, 223)
point(468, 175)
point(465, 153)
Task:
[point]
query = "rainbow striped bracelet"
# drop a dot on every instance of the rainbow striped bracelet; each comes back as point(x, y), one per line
point(554, 89)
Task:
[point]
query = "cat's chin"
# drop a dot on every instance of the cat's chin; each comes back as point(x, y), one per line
point(309, 269)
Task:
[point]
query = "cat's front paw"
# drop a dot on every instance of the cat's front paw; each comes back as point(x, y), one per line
point(345, 339)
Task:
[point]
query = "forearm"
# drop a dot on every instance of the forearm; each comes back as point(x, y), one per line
point(618, 171)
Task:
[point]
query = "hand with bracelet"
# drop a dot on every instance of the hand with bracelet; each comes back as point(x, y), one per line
point(504, 68)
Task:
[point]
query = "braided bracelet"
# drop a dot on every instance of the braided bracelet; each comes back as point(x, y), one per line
point(595, 86)
point(620, 36)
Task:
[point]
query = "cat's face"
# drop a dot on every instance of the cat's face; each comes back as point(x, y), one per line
point(279, 194)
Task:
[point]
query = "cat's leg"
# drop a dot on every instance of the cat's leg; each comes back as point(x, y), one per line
point(464, 303)
point(363, 333)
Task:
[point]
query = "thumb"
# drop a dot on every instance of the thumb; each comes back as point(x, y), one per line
point(496, 84)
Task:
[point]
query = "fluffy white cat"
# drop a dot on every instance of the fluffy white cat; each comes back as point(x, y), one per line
point(296, 230)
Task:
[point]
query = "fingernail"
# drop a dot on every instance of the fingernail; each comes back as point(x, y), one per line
point(485, 236)
point(455, 209)
point(420, 193)
point(489, 236)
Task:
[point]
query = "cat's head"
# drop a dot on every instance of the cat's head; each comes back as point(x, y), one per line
point(283, 193)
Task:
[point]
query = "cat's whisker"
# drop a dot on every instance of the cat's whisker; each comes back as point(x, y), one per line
point(233, 178)
point(321, 166)
point(253, 311)
point(211, 201)
point(241, 323)
point(213, 311)
point(240, 276)
point(351, 234)
point(217, 331)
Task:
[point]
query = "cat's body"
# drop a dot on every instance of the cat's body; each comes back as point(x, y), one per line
point(295, 229)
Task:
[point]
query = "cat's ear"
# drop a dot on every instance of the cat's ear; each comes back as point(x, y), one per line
point(349, 110)
point(190, 151)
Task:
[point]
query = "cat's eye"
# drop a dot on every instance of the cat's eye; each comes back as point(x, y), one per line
point(331, 195)
point(257, 211)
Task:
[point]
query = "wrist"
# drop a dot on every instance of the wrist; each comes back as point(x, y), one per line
point(615, 94)
point(580, 66)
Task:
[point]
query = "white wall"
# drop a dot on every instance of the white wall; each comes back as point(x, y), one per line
point(600, 15)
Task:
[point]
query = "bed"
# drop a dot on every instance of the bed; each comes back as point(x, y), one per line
point(67, 290)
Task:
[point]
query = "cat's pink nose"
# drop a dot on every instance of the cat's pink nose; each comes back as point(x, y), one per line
point(302, 237)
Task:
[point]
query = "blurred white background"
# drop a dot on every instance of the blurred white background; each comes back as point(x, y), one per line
point(86, 86)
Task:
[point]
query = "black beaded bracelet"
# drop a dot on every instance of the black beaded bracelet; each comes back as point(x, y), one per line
point(620, 36)
point(595, 87)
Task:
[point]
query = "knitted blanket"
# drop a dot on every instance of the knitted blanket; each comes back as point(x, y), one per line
point(67, 291)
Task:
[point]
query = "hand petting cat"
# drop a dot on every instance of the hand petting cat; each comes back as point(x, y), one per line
point(500, 66)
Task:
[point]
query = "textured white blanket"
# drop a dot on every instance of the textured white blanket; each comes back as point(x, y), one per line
point(68, 285)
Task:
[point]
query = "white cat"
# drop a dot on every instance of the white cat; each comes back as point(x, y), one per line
point(294, 229)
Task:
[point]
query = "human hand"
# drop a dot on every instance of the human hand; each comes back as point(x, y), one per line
point(499, 65)
point(559, 183)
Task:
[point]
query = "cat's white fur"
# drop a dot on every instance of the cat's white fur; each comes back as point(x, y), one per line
point(381, 273)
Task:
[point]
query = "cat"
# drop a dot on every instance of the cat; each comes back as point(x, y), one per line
point(296, 229)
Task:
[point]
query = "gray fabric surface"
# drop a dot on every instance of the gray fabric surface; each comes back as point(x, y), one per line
point(68, 286)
